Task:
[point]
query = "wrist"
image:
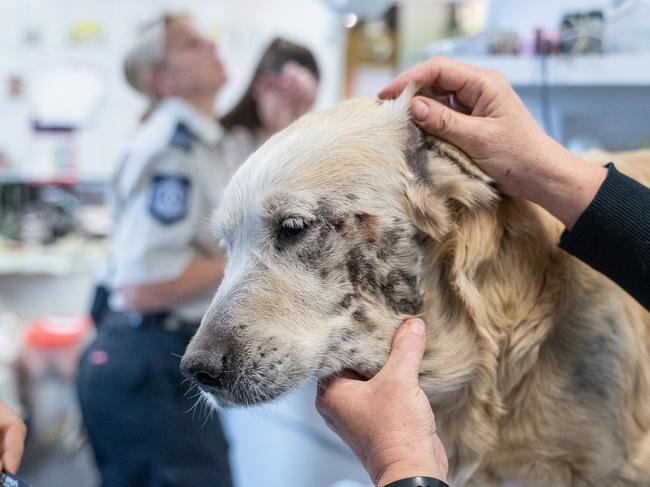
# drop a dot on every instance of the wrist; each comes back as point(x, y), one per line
point(565, 184)
point(418, 481)
point(402, 470)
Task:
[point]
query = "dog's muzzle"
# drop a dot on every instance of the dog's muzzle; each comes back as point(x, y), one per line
point(207, 368)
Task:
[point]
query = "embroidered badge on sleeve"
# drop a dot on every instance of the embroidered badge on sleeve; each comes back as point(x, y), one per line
point(169, 198)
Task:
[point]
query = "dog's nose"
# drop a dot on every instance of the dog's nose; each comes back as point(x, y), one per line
point(205, 368)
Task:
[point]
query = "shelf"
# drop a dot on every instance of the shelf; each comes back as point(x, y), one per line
point(586, 70)
point(68, 256)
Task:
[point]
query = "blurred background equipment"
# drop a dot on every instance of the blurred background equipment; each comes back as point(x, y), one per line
point(581, 67)
point(585, 90)
point(48, 363)
point(372, 51)
point(362, 9)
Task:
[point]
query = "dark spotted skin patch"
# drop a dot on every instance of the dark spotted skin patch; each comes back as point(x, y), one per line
point(388, 243)
point(324, 210)
point(346, 302)
point(361, 272)
point(368, 226)
point(422, 147)
point(416, 155)
point(309, 255)
point(596, 366)
point(401, 293)
point(372, 259)
point(419, 238)
point(362, 218)
point(347, 335)
point(359, 316)
point(398, 288)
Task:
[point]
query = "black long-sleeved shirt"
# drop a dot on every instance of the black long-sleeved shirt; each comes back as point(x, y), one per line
point(613, 234)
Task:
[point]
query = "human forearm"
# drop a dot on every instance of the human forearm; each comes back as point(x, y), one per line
point(202, 275)
point(415, 463)
point(562, 183)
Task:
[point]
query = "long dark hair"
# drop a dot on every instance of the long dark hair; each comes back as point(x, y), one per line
point(276, 55)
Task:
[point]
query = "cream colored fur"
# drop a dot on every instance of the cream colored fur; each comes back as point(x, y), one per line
point(538, 367)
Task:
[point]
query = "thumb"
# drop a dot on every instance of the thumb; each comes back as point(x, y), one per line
point(407, 351)
point(13, 444)
point(441, 120)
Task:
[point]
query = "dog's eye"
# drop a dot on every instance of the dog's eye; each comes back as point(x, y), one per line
point(291, 228)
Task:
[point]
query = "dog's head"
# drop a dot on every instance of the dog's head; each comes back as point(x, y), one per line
point(331, 229)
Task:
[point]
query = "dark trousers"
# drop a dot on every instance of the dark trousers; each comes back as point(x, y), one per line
point(137, 412)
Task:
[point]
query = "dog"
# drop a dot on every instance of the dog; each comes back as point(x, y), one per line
point(352, 220)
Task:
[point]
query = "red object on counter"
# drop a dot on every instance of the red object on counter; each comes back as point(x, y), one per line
point(57, 331)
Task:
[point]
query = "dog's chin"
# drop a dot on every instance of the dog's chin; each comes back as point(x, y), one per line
point(242, 397)
point(216, 402)
point(253, 388)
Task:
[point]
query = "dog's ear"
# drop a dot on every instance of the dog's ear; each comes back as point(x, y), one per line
point(453, 202)
point(444, 183)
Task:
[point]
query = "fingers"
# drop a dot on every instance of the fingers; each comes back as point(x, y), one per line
point(442, 74)
point(299, 85)
point(334, 389)
point(296, 76)
point(333, 383)
point(13, 432)
point(295, 89)
point(438, 73)
point(406, 352)
point(13, 445)
point(441, 120)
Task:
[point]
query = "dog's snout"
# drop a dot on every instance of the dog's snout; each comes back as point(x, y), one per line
point(205, 368)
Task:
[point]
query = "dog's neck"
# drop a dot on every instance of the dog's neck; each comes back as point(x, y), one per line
point(475, 312)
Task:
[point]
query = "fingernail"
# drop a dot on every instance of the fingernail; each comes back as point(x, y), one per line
point(419, 109)
point(417, 326)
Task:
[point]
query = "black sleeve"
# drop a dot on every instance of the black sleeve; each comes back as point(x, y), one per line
point(613, 234)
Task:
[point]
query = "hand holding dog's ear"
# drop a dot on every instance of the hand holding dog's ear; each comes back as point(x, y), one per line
point(494, 128)
point(387, 420)
point(490, 123)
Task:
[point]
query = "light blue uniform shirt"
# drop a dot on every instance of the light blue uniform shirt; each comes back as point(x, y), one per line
point(164, 192)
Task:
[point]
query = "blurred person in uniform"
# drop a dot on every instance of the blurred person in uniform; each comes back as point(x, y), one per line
point(164, 265)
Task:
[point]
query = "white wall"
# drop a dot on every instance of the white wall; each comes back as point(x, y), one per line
point(242, 29)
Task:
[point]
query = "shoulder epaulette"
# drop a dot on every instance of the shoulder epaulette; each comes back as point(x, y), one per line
point(183, 137)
